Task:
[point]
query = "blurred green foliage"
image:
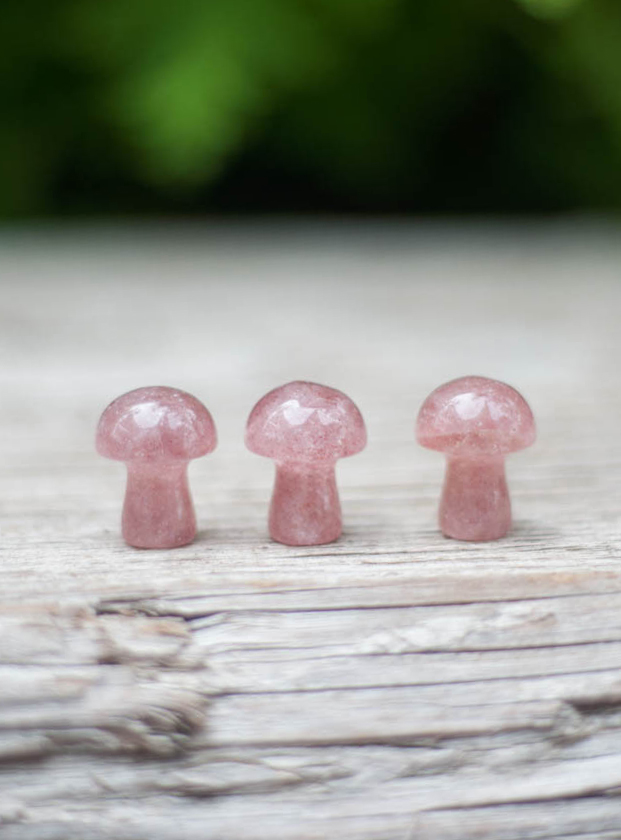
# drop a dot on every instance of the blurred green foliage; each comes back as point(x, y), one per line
point(323, 105)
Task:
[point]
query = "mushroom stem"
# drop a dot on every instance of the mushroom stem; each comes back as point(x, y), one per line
point(158, 510)
point(305, 508)
point(475, 502)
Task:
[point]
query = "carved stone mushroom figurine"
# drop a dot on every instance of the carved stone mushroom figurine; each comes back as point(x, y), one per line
point(305, 428)
point(476, 422)
point(157, 431)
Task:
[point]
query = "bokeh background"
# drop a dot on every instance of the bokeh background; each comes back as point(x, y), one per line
point(134, 107)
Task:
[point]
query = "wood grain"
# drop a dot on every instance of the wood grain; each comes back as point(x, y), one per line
point(393, 686)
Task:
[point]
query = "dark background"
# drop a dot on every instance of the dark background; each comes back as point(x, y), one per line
point(190, 107)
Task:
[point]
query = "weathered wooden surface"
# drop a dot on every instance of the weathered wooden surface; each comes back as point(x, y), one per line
point(394, 686)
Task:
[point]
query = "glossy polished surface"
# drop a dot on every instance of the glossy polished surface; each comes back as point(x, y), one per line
point(305, 428)
point(156, 431)
point(477, 422)
point(475, 415)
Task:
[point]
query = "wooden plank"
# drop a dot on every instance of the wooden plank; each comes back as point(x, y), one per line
point(392, 686)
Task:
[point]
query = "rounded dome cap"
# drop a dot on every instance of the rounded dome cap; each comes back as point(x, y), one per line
point(303, 421)
point(156, 423)
point(475, 416)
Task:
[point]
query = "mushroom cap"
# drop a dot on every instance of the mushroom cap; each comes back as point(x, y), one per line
point(475, 416)
point(306, 422)
point(156, 424)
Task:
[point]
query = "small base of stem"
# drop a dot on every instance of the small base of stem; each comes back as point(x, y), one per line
point(158, 510)
point(305, 508)
point(475, 504)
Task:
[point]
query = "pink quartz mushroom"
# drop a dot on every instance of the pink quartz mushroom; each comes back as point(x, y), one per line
point(305, 428)
point(157, 431)
point(476, 422)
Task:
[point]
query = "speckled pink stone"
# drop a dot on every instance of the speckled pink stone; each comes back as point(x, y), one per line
point(157, 431)
point(305, 428)
point(476, 422)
